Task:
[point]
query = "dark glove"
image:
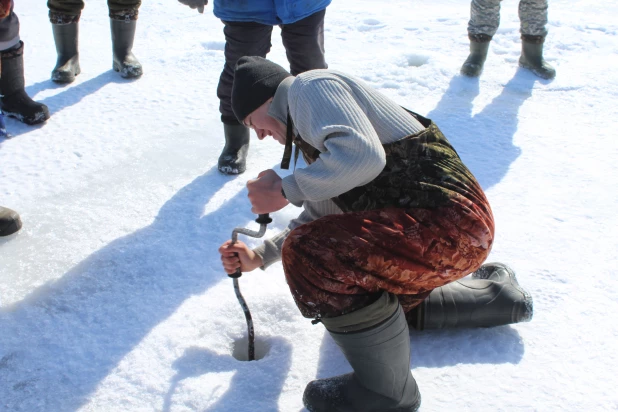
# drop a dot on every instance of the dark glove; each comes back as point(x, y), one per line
point(195, 4)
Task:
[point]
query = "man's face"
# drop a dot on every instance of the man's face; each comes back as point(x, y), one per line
point(265, 125)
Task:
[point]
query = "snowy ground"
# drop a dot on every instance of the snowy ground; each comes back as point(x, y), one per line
point(112, 297)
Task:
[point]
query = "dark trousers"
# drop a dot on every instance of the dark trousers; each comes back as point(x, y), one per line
point(303, 42)
point(117, 8)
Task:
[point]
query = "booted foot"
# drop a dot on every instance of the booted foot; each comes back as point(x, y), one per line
point(491, 297)
point(9, 221)
point(128, 67)
point(66, 71)
point(532, 57)
point(125, 63)
point(233, 158)
point(67, 65)
point(345, 394)
point(378, 349)
point(479, 45)
point(14, 101)
point(523, 306)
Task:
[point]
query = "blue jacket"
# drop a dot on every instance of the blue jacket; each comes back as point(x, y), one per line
point(271, 12)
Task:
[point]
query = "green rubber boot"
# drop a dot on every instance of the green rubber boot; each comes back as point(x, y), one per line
point(233, 158)
point(532, 57)
point(9, 221)
point(67, 65)
point(125, 62)
point(493, 297)
point(376, 342)
point(479, 46)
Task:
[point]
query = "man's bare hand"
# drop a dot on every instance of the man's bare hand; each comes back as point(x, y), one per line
point(265, 193)
point(238, 256)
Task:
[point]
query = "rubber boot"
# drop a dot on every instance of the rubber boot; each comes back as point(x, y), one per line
point(492, 297)
point(479, 46)
point(14, 101)
point(9, 221)
point(233, 158)
point(532, 57)
point(67, 65)
point(380, 356)
point(125, 63)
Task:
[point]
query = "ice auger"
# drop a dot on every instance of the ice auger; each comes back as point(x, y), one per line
point(263, 220)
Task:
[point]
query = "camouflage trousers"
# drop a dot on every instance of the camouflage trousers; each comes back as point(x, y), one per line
point(69, 11)
point(340, 263)
point(485, 17)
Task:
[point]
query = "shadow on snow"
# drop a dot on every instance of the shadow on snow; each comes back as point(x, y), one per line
point(61, 341)
point(71, 95)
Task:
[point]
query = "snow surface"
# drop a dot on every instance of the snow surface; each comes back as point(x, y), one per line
point(112, 297)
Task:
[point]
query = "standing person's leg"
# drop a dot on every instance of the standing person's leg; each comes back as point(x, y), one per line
point(483, 24)
point(64, 17)
point(123, 22)
point(304, 43)
point(14, 100)
point(241, 39)
point(338, 269)
point(533, 18)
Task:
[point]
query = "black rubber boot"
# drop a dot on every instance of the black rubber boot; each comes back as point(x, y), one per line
point(67, 65)
point(15, 102)
point(491, 298)
point(233, 158)
point(123, 33)
point(9, 221)
point(380, 357)
point(479, 46)
point(532, 57)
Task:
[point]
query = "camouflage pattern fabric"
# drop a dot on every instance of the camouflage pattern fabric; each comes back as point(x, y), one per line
point(69, 11)
point(422, 171)
point(340, 263)
point(422, 223)
point(485, 17)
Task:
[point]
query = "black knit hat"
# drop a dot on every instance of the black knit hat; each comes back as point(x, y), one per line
point(255, 81)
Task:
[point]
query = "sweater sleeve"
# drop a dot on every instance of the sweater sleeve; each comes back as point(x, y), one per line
point(329, 118)
point(270, 250)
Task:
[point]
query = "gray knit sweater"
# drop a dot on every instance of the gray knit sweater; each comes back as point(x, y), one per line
point(348, 122)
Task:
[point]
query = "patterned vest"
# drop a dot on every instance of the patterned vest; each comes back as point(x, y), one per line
point(422, 170)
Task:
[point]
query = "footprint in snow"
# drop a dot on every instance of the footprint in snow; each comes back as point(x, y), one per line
point(214, 45)
point(371, 24)
point(415, 59)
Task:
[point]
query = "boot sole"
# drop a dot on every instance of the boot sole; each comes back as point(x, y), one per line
point(542, 75)
point(64, 77)
point(31, 121)
point(470, 70)
point(528, 309)
point(129, 72)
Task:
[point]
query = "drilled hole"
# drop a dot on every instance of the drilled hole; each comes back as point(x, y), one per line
point(240, 350)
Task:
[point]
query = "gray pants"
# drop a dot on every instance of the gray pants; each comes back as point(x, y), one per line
point(485, 17)
point(303, 42)
point(9, 31)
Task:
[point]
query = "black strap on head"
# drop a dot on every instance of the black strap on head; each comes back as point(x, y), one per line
point(289, 138)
